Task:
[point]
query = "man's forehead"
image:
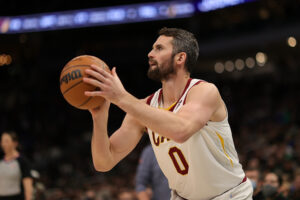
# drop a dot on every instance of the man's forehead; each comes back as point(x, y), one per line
point(163, 40)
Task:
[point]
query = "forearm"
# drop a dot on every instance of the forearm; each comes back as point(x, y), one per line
point(28, 193)
point(101, 150)
point(28, 188)
point(165, 123)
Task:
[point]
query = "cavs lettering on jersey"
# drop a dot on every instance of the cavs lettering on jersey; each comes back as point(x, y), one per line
point(204, 166)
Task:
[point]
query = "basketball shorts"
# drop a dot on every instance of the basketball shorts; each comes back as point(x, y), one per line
point(243, 191)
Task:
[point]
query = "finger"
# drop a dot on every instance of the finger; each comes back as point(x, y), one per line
point(93, 93)
point(101, 70)
point(95, 74)
point(114, 71)
point(96, 68)
point(93, 82)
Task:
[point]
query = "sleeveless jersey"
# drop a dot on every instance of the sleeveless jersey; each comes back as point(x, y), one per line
point(204, 166)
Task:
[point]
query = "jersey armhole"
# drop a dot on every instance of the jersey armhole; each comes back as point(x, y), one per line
point(189, 90)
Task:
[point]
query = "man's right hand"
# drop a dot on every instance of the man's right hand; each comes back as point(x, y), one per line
point(100, 109)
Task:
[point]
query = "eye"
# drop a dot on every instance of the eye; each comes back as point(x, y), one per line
point(159, 48)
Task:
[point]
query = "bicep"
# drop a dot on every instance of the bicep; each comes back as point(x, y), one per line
point(124, 140)
point(201, 103)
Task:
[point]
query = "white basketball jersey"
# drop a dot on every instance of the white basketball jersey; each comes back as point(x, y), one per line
point(204, 166)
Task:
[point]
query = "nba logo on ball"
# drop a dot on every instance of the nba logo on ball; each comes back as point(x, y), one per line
point(72, 86)
point(71, 76)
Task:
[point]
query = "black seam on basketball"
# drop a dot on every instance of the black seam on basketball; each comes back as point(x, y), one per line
point(75, 66)
point(72, 86)
point(86, 101)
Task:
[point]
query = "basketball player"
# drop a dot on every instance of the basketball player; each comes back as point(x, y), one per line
point(186, 120)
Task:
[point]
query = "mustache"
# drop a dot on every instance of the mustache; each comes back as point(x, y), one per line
point(152, 61)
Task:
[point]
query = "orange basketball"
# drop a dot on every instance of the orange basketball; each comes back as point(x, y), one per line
point(72, 86)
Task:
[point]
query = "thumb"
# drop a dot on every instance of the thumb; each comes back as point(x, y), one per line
point(114, 71)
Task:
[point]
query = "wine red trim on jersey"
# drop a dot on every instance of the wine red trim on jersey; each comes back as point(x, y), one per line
point(186, 87)
point(159, 95)
point(190, 88)
point(150, 98)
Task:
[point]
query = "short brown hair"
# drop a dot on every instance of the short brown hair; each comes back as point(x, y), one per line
point(183, 41)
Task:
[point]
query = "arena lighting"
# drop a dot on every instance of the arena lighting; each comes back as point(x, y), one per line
point(229, 66)
point(292, 42)
point(97, 16)
point(111, 15)
point(239, 64)
point(261, 59)
point(2, 61)
point(209, 5)
point(5, 59)
point(250, 62)
point(219, 67)
point(8, 59)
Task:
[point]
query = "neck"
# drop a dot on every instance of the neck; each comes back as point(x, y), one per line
point(173, 88)
point(11, 155)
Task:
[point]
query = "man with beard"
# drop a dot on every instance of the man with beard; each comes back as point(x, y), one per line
point(186, 121)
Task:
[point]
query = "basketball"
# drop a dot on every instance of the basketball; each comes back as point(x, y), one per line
point(72, 86)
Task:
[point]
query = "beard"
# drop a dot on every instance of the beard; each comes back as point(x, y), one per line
point(162, 71)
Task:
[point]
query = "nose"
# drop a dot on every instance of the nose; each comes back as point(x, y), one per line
point(150, 54)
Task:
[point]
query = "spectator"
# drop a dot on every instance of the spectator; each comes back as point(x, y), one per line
point(15, 180)
point(295, 189)
point(151, 183)
point(254, 175)
point(126, 194)
point(270, 188)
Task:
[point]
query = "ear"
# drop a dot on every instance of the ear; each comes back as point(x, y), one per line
point(180, 58)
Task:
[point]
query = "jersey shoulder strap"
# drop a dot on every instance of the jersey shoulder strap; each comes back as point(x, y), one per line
point(150, 98)
point(194, 82)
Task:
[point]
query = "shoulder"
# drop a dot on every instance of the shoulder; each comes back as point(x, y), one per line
point(205, 86)
point(25, 166)
point(204, 90)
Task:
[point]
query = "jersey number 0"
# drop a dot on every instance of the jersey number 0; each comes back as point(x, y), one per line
point(185, 166)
